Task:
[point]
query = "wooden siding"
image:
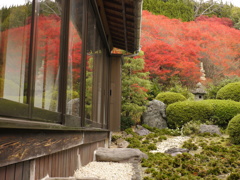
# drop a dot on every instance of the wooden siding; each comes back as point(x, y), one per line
point(22, 145)
point(61, 164)
point(15, 171)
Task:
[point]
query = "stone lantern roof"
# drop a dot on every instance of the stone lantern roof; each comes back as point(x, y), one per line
point(199, 89)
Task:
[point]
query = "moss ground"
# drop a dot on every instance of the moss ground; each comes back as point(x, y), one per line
point(210, 158)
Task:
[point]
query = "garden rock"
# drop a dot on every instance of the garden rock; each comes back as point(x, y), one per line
point(121, 155)
point(212, 129)
point(141, 131)
point(121, 143)
point(155, 115)
point(176, 151)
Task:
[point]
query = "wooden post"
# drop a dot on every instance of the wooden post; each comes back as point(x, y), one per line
point(115, 93)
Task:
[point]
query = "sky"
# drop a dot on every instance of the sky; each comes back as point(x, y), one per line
point(10, 2)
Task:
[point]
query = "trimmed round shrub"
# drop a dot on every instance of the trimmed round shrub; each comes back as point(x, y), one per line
point(170, 97)
point(223, 111)
point(233, 129)
point(180, 113)
point(231, 91)
point(220, 112)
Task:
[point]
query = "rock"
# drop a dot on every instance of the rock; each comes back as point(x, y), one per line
point(121, 143)
point(155, 115)
point(175, 154)
point(121, 155)
point(176, 151)
point(209, 129)
point(141, 131)
point(124, 134)
point(129, 136)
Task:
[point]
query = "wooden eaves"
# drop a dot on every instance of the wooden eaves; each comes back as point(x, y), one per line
point(121, 20)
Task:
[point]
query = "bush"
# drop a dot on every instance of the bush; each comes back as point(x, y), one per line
point(126, 122)
point(180, 113)
point(233, 129)
point(190, 128)
point(231, 91)
point(219, 111)
point(223, 111)
point(216, 86)
point(170, 97)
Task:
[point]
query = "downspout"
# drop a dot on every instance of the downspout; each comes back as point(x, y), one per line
point(130, 55)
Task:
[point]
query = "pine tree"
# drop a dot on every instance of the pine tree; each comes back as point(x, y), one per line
point(135, 85)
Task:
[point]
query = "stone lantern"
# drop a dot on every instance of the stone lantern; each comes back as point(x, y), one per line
point(199, 92)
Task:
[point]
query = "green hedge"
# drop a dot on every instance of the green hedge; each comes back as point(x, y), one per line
point(220, 112)
point(180, 113)
point(234, 129)
point(170, 97)
point(231, 91)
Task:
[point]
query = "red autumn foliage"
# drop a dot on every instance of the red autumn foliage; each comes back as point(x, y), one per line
point(175, 48)
point(214, 19)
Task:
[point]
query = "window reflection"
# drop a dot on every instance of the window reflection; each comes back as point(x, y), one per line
point(47, 57)
point(94, 73)
point(15, 24)
point(91, 48)
point(74, 57)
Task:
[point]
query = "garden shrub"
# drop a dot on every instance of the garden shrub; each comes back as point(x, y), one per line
point(223, 111)
point(180, 113)
point(233, 129)
point(219, 111)
point(126, 122)
point(231, 91)
point(191, 127)
point(213, 88)
point(170, 97)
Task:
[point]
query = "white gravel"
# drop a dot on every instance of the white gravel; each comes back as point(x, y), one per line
point(175, 142)
point(106, 171)
point(123, 171)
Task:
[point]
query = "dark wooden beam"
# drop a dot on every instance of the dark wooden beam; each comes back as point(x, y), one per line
point(21, 145)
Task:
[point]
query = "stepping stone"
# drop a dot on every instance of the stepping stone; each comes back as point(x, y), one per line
point(126, 155)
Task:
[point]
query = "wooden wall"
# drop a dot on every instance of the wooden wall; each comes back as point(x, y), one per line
point(61, 164)
point(16, 171)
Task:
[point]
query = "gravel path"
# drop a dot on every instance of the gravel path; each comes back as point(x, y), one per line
point(106, 171)
point(174, 142)
point(123, 171)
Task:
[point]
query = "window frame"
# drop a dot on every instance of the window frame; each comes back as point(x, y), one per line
point(10, 109)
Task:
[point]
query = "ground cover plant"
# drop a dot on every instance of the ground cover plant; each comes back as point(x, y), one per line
point(211, 156)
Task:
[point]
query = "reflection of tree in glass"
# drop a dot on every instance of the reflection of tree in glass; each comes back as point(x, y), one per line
point(48, 7)
point(20, 15)
point(89, 86)
point(15, 16)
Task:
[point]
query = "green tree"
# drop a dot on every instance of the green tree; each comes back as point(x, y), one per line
point(177, 9)
point(135, 85)
point(235, 17)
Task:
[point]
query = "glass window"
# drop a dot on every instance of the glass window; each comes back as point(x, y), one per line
point(74, 57)
point(94, 73)
point(47, 56)
point(15, 24)
point(98, 81)
point(91, 48)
